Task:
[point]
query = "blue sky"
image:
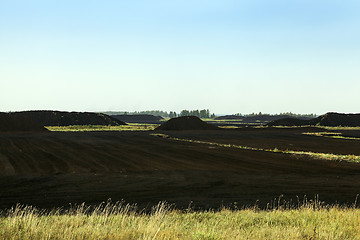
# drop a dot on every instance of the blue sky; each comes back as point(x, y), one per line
point(228, 56)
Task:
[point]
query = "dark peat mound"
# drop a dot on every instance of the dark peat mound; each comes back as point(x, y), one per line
point(58, 118)
point(329, 119)
point(10, 123)
point(338, 119)
point(186, 123)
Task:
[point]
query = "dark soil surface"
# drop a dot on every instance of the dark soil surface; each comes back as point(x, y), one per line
point(289, 122)
point(54, 169)
point(10, 123)
point(57, 118)
point(185, 123)
point(140, 118)
point(229, 117)
point(280, 138)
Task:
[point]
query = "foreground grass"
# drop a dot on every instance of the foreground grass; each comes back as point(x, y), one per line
point(120, 222)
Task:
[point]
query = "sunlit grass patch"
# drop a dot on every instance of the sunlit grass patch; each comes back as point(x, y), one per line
point(340, 128)
point(330, 135)
point(86, 128)
point(327, 156)
point(230, 127)
point(322, 133)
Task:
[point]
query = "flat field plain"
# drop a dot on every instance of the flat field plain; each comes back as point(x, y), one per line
point(204, 169)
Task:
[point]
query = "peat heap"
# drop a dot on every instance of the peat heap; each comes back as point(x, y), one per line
point(186, 123)
point(329, 119)
point(338, 119)
point(57, 118)
point(11, 123)
point(139, 118)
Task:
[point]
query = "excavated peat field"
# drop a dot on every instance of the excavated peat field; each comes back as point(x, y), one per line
point(53, 169)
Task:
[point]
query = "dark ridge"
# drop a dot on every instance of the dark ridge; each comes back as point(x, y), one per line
point(269, 118)
point(259, 118)
point(11, 123)
point(229, 117)
point(57, 118)
point(289, 122)
point(139, 118)
point(186, 123)
point(328, 119)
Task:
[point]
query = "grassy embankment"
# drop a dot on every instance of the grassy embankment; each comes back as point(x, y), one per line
point(309, 221)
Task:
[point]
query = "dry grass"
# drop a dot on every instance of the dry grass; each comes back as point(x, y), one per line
point(309, 221)
point(330, 135)
point(91, 128)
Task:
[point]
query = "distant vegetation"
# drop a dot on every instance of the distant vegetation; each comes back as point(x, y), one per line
point(290, 114)
point(204, 113)
point(309, 220)
point(150, 112)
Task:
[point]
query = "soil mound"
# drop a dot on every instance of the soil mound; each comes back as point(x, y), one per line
point(10, 123)
point(186, 123)
point(338, 119)
point(328, 119)
point(140, 118)
point(57, 118)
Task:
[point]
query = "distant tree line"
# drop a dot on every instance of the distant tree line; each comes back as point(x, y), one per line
point(311, 115)
point(151, 112)
point(204, 113)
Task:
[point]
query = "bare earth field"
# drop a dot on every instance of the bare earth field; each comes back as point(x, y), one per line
point(53, 169)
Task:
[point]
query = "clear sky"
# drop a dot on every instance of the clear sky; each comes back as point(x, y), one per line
point(228, 56)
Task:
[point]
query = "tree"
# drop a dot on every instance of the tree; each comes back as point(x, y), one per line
point(184, 113)
point(172, 114)
point(204, 114)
